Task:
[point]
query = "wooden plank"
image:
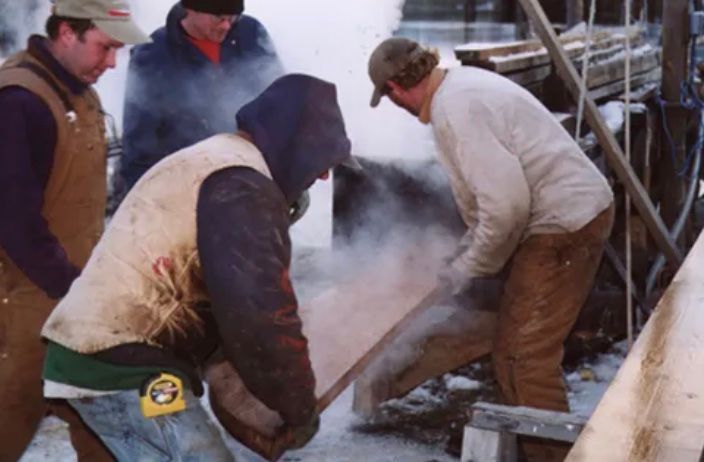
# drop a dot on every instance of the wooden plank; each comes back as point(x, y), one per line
point(515, 62)
point(598, 54)
point(643, 94)
point(612, 150)
point(423, 353)
point(601, 49)
point(620, 269)
point(521, 420)
point(488, 446)
point(346, 329)
point(601, 74)
point(674, 72)
point(654, 408)
point(618, 87)
point(537, 74)
point(482, 51)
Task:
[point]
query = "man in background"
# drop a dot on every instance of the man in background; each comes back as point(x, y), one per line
point(188, 84)
point(532, 202)
point(52, 197)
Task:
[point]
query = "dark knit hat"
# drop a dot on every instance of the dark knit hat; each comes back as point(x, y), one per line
point(215, 6)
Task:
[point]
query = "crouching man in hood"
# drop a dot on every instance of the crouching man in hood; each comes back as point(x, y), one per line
point(197, 259)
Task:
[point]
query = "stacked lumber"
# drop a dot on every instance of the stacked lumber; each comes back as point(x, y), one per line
point(528, 63)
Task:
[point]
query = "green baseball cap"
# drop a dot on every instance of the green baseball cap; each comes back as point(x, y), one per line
point(388, 59)
point(113, 17)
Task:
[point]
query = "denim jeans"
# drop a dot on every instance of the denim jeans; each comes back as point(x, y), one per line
point(186, 436)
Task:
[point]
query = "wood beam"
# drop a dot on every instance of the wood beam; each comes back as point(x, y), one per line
point(602, 74)
point(612, 150)
point(575, 12)
point(654, 409)
point(482, 51)
point(512, 57)
point(674, 72)
point(422, 353)
point(526, 77)
point(618, 87)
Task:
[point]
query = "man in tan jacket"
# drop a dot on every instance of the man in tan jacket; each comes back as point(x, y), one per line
point(532, 202)
point(52, 197)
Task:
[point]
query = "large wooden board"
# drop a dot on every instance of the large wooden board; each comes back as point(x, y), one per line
point(654, 408)
point(421, 354)
point(346, 328)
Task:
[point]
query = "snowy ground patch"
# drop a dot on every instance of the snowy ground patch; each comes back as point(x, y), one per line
point(454, 383)
point(588, 382)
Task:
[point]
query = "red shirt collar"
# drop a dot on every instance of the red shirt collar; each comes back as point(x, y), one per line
point(210, 49)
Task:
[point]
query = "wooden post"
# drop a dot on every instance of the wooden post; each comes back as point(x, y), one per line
point(522, 23)
point(612, 150)
point(488, 446)
point(674, 72)
point(655, 10)
point(470, 11)
point(575, 12)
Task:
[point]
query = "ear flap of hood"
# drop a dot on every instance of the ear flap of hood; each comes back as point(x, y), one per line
point(297, 124)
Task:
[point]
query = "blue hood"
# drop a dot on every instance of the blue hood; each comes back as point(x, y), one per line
point(297, 124)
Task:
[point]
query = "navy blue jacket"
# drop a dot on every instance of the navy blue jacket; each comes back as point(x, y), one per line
point(27, 143)
point(244, 245)
point(176, 97)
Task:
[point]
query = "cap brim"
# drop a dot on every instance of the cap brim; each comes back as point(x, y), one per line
point(126, 32)
point(376, 97)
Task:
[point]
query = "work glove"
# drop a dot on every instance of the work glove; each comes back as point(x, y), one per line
point(298, 436)
point(452, 279)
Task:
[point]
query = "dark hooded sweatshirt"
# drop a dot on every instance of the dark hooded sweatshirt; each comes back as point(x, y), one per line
point(243, 240)
point(245, 252)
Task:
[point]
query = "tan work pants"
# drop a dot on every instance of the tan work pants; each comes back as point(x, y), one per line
point(549, 280)
point(23, 311)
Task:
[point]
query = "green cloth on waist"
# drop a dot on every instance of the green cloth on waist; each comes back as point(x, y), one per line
point(69, 367)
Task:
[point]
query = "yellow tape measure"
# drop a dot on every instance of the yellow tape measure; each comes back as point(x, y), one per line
point(161, 394)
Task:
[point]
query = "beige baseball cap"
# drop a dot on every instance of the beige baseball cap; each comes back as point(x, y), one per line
point(388, 59)
point(110, 16)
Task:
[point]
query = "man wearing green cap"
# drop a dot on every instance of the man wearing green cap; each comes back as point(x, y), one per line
point(52, 197)
point(533, 204)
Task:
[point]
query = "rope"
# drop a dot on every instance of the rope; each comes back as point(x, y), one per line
point(585, 70)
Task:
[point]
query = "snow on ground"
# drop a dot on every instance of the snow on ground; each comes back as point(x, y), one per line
point(454, 383)
point(339, 442)
point(588, 383)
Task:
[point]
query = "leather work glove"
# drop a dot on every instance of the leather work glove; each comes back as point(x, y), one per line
point(299, 435)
